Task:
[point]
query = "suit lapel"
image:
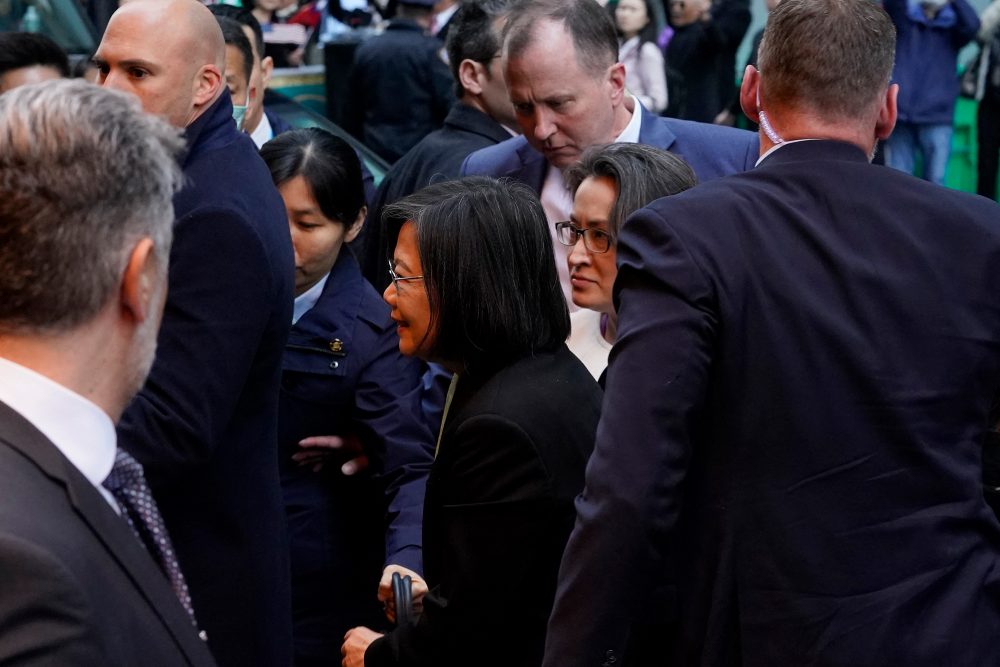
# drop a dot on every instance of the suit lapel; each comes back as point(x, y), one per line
point(653, 131)
point(533, 166)
point(110, 529)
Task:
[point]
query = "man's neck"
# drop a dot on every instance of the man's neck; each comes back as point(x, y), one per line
point(623, 114)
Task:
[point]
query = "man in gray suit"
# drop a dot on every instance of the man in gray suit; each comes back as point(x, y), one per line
point(86, 181)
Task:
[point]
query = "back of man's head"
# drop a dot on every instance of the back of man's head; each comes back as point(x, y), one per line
point(24, 50)
point(832, 58)
point(472, 35)
point(588, 24)
point(84, 174)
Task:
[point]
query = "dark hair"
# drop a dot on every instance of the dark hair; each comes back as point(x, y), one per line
point(649, 33)
point(641, 174)
point(595, 37)
point(243, 17)
point(328, 164)
point(833, 57)
point(28, 49)
point(488, 270)
point(232, 33)
point(471, 35)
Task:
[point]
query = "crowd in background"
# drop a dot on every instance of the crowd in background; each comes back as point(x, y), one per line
point(601, 371)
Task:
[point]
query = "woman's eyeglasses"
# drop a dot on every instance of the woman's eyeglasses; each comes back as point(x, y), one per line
point(595, 240)
point(396, 279)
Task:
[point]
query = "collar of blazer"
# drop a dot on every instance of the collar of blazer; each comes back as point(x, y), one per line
point(110, 529)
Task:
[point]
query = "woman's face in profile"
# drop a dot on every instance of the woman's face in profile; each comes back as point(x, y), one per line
point(407, 295)
point(593, 274)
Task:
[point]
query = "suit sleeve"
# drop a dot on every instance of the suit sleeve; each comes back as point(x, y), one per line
point(493, 488)
point(656, 385)
point(219, 301)
point(44, 615)
point(387, 406)
point(968, 23)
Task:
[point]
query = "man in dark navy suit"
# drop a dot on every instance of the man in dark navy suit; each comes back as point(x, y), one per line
point(205, 424)
point(788, 466)
point(560, 59)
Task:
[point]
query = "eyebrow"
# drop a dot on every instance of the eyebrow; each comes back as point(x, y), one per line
point(133, 62)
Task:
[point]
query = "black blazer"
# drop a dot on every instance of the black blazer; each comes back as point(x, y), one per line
point(76, 586)
point(790, 451)
point(499, 509)
point(205, 424)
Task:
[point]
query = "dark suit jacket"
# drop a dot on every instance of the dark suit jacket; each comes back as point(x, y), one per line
point(76, 586)
point(342, 374)
point(711, 150)
point(438, 157)
point(400, 89)
point(798, 471)
point(499, 509)
point(205, 424)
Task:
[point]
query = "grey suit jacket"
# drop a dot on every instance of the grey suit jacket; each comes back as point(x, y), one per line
point(76, 586)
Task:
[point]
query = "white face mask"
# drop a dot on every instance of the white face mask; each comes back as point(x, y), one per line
point(240, 112)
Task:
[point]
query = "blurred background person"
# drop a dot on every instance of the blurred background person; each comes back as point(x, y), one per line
point(400, 88)
point(239, 69)
point(349, 401)
point(988, 115)
point(695, 57)
point(27, 57)
point(608, 184)
point(482, 116)
point(475, 289)
point(929, 35)
point(645, 76)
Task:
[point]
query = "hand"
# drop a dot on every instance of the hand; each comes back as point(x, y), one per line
point(419, 587)
point(356, 642)
point(318, 449)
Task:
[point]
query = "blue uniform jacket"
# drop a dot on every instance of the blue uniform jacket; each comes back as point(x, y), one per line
point(343, 374)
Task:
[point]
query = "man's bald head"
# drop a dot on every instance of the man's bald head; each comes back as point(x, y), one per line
point(168, 53)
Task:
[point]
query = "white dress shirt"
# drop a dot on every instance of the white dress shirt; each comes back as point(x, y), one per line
point(80, 430)
point(264, 132)
point(305, 301)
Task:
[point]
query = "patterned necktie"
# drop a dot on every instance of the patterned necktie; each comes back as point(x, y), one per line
point(128, 485)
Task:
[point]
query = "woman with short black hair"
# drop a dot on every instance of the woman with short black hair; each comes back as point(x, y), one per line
point(475, 289)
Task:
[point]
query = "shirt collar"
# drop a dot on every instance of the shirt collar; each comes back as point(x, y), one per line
point(305, 301)
point(777, 146)
point(80, 430)
point(631, 132)
point(264, 132)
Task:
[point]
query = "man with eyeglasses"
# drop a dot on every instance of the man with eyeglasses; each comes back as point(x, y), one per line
point(560, 60)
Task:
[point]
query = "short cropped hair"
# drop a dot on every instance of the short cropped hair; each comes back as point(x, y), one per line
point(233, 35)
point(488, 269)
point(27, 49)
point(471, 35)
point(642, 174)
point(594, 34)
point(328, 165)
point(84, 174)
point(243, 17)
point(834, 57)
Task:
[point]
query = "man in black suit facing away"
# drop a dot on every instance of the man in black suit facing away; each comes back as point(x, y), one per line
point(205, 424)
point(85, 228)
point(788, 465)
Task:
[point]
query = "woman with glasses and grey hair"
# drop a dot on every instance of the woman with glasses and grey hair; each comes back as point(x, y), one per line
point(475, 289)
point(608, 184)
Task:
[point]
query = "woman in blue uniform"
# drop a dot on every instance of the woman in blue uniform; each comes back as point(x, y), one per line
point(354, 449)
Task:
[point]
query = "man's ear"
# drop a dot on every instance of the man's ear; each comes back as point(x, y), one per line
point(139, 281)
point(207, 85)
point(266, 69)
point(749, 91)
point(469, 75)
point(355, 228)
point(887, 113)
point(616, 79)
